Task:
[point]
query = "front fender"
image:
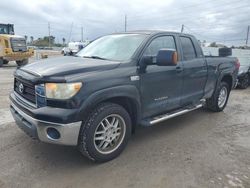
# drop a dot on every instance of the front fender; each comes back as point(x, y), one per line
point(128, 91)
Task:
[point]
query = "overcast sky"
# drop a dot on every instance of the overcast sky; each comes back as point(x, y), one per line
point(211, 20)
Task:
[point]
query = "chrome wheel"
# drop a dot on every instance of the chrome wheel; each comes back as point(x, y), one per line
point(222, 97)
point(109, 134)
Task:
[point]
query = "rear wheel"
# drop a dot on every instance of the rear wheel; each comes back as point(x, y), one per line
point(22, 62)
point(105, 133)
point(219, 100)
point(244, 82)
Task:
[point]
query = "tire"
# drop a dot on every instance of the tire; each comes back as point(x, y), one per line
point(91, 134)
point(22, 62)
point(5, 62)
point(213, 103)
point(244, 82)
point(1, 62)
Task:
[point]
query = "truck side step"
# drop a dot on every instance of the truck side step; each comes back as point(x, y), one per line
point(164, 117)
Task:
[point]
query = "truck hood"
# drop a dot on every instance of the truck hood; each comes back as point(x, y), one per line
point(63, 66)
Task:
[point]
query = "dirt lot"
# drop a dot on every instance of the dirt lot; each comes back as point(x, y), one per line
point(199, 149)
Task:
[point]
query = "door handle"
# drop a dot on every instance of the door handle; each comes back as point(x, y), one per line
point(179, 69)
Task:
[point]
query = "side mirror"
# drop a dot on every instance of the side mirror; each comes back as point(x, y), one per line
point(145, 61)
point(166, 57)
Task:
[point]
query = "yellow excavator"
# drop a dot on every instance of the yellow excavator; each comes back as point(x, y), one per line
point(13, 47)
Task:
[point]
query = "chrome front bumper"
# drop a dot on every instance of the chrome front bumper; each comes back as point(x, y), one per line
point(39, 129)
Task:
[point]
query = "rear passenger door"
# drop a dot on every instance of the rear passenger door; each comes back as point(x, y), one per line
point(194, 71)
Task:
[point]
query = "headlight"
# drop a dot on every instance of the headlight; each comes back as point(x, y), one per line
point(62, 90)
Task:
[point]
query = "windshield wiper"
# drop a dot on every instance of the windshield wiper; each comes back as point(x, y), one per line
point(95, 57)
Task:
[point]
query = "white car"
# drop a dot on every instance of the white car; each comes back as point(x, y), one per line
point(73, 48)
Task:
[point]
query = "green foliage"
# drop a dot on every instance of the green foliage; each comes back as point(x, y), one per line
point(44, 41)
point(213, 44)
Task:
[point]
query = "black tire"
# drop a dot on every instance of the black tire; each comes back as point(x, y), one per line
point(1, 62)
point(86, 142)
point(22, 62)
point(244, 82)
point(213, 102)
point(5, 62)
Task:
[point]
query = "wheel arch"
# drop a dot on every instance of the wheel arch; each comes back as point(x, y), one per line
point(126, 96)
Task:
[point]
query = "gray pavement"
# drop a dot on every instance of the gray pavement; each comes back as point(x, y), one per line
point(199, 149)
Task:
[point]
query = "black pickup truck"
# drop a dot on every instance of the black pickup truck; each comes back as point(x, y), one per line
point(95, 100)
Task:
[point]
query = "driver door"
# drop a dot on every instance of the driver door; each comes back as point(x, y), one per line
point(160, 85)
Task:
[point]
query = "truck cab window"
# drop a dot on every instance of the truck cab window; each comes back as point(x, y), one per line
point(159, 43)
point(189, 52)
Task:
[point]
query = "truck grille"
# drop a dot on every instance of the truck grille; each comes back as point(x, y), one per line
point(27, 91)
point(18, 45)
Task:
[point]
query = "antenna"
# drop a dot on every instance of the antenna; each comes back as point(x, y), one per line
point(182, 28)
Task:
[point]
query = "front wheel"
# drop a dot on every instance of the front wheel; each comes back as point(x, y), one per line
point(22, 62)
point(219, 100)
point(105, 132)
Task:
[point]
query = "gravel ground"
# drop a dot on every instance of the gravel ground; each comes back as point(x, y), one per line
point(199, 149)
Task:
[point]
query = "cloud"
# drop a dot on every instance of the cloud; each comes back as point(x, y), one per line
point(207, 20)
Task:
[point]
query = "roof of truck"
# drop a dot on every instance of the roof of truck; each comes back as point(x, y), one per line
point(151, 32)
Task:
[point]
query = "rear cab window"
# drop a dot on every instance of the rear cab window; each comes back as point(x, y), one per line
point(188, 48)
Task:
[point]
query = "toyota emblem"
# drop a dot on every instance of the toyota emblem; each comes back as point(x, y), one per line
point(20, 88)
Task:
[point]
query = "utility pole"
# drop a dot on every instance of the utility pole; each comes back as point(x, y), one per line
point(182, 28)
point(248, 28)
point(125, 24)
point(81, 34)
point(49, 33)
point(71, 27)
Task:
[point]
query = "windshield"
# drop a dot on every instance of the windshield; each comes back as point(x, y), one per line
point(6, 29)
point(118, 47)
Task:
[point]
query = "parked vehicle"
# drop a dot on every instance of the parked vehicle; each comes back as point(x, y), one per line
point(244, 73)
point(73, 48)
point(119, 81)
point(13, 47)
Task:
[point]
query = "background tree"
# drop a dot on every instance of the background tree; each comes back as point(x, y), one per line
point(213, 44)
point(63, 40)
point(44, 41)
point(31, 39)
point(26, 37)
